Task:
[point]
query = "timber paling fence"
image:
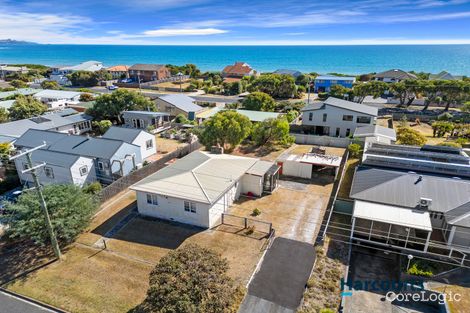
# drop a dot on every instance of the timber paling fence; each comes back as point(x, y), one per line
point(124, 182)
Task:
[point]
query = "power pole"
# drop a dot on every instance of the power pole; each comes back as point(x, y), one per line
point(32, 169)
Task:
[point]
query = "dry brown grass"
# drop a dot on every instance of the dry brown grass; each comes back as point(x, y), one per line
point(323, 287)
point(461, 306)
point(88, 281)
point(346, 183)
point(263, 152)
point(165, 145)
point(160, 237)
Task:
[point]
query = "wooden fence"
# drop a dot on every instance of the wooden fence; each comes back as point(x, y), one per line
point(124, 182)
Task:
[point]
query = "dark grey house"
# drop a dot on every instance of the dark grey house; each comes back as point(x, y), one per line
point(144, 119)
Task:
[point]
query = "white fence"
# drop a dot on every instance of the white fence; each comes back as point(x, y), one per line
point(304, 139)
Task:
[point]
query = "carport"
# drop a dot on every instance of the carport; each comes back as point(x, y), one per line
point(304, 166)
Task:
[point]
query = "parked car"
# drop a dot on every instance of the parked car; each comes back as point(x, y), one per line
point(126, 80)
point(112, 87)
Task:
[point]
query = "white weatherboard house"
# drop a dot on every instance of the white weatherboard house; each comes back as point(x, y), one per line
point(375, 133)
point(60, 168)
point(198, 188)
point(337, 118)
point(145, 140)
point(55, 99)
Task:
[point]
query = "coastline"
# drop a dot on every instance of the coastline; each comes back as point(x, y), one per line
point(346, 59)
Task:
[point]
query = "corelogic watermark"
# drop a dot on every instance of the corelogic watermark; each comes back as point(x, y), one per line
point(424, 296)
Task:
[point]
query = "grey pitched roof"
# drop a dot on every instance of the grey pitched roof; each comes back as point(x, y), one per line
point(149, 113)
point(21, 91)
point(146, 67)
point(343, 104)
point(397, 74)
point(199, 176)
point(182, 102)
point(44, 122)
point(54, 158)
point(123, 133)
point(283, 71)
point(405, 189)
point(375, 130)
point(71, 144)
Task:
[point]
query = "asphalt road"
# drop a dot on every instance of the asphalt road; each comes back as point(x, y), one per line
point(12, 304)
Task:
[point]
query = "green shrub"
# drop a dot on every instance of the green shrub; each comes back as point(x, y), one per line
point(256, 212)
point(93, 188)
point(323, 95)
point(354, 150)
point(327, 310)
point(461, 140)
point(450, 144)
point(420, 268)
point(444, 117)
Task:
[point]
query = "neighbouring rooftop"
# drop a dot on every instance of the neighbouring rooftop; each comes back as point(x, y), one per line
point(343, 104)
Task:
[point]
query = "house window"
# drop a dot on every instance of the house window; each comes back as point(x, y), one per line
point(190, 206)
point(363, 119)
point(348, 132)
point(348, 118)
point(100, 166)
point(337, 131)
point(48, 171)
point(310, 116)
point(83, 170)
point(152, 199)
point(324, 117)
point(149, 144)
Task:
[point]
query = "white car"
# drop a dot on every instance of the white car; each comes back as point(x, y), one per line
point(112, 87)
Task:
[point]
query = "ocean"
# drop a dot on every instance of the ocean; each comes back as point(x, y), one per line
point(321, 59)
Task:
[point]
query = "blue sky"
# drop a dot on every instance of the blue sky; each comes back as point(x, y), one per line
point(237, 22)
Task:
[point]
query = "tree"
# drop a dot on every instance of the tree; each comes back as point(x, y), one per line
point(69, 207)
point(18, 83)
point(465, 108)
point(409, 136)
point(181, 119)
point(292, 115)
point(226, 128)
point(110, 106)
point(259, 101)
point(372, 88)
point(102, 126)
point(190, 279)
point(83, 79)
point(3, 115)
point(86, 97)
point(26, 107)
point(272, 131)
point(275, 85)
point(50, 84)
point(341, 92)
point(440, 128)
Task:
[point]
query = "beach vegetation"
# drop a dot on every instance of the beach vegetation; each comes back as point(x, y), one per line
point(275, 85)
point(17, 83)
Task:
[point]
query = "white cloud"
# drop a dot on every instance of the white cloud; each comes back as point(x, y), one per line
point(169, 32)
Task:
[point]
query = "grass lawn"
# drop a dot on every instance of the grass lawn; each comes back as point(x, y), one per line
point(346, 183)
point(88, 281)
point(184, 85)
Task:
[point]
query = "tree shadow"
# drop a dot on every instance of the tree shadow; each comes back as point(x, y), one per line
point(18, 259)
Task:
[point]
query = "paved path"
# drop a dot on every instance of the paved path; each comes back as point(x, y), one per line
point(13, 304)
point(279, 285)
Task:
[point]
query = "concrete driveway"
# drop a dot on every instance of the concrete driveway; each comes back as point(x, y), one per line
point(279, 285)
point(295, 209)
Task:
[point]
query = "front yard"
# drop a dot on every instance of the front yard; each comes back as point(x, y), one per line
point(115, 279)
